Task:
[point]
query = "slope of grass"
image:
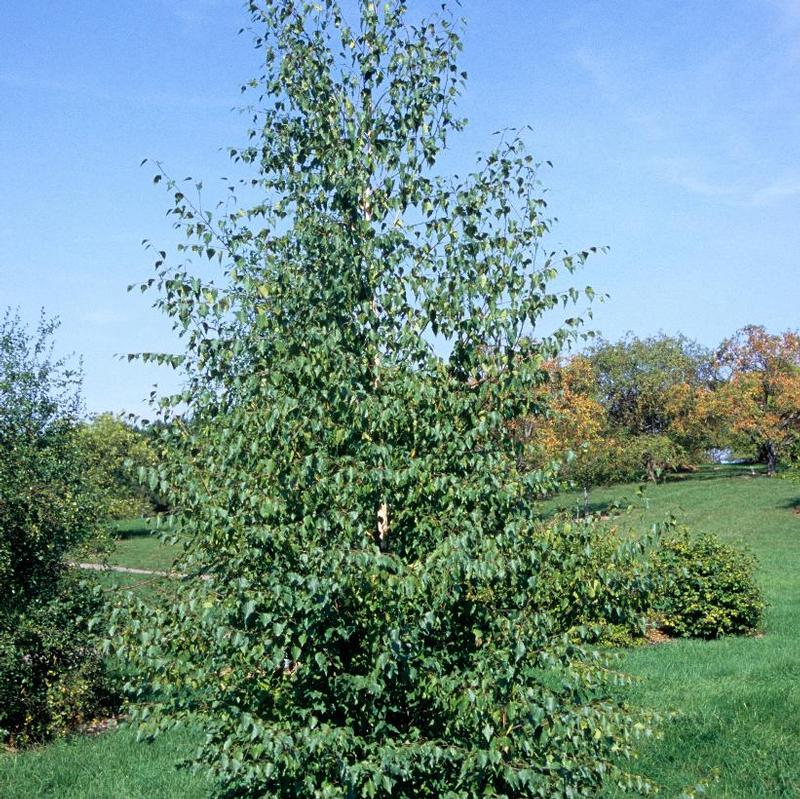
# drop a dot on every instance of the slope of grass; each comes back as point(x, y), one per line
point(739, 698)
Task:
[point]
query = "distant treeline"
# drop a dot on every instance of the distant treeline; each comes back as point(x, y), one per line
point(640, 407)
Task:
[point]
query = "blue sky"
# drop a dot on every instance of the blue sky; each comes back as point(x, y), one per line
point(673, 128)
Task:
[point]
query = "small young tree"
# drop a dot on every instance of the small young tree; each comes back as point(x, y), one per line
point(372, 621)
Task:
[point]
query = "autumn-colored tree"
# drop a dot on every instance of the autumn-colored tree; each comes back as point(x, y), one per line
point(760, 396)
point(575, 431)
point(697, 419)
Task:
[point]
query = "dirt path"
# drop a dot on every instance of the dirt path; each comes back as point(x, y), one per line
point(104, 567)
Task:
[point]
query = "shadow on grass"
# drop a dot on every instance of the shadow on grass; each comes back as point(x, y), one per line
point(791, 504)
point(133, 528)
point(561, 505)
point(570, 502)
point(717, 472)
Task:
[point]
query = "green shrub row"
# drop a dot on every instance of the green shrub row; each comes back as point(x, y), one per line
point(612, 586)
point(51, 675)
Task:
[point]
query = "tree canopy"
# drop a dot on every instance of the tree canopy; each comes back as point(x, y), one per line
point(760, 395)
point(372, 621)
point(636, 378)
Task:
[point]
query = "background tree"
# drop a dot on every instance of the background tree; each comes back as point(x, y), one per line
point(575, 430)
point(650, 388)
point(636, 377)
point(760, 396)
point(578, 433)
point(698, 421)
point(372, 622)
point(115, 452)
point(51, 676)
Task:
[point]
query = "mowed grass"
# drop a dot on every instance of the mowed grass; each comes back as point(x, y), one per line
point(738, 699)
point(112, 765)
point(138, 546)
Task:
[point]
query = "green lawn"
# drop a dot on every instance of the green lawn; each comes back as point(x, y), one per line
point(108, 766)
point(138, 546)
point(739, 699)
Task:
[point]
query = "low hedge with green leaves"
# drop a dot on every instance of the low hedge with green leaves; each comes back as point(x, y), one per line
point(596, 579)
point(709, 588)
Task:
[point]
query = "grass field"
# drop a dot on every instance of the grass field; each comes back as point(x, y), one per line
point(137, 547)
point(108, 766)
point(739, 698)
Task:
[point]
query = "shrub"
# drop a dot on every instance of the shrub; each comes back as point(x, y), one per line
point(50, 675)
point(596, 580)
point(708, 588)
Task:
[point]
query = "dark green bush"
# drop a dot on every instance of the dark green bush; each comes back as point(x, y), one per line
point(52, 677)
point(708, 588)
point(50, 673)
point(596, 580)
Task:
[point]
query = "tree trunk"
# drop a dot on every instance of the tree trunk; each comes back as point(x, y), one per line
point(771, 457)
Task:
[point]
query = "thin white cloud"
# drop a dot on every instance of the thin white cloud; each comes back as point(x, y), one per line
point(775, 192)
point(196, 13)
point(788, 9)
point(615, 92)
point(719, 169)
point(690, 175)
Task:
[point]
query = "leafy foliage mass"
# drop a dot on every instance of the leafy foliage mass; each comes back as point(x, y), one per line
point(760, 396)
point(379, 614)
point(50, 674)
point(115, 452)
point(709, 588)
point(599, 582)
point(582, 434)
